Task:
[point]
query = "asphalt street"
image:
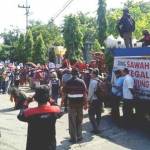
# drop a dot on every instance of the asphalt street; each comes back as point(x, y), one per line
point(13, 132)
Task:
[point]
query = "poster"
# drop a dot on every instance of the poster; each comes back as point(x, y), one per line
point(140, 70)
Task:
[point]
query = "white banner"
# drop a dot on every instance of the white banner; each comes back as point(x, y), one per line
point(139, 70)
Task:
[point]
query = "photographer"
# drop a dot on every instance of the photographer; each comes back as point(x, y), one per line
point(41, 121)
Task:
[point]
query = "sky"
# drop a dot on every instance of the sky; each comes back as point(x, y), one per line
point(43, 10)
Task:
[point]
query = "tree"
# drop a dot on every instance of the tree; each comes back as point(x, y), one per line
point(88, 27)
point(50, 32)
point(96, 46)
point(21, 53)
point(10, 38)
point(102, 23)
point(39, 54)
point(55, 34)
point(73, 37)
point(4, 52)
point(29, 43)
point(138, 10)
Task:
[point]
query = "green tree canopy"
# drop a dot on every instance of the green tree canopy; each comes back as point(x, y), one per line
point(138, 10)
point(102, 23)
point(40, 51)
point(21, 53)
point(73, 37)
point(29, 43)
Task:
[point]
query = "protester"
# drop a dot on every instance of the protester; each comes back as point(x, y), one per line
point(41, 121)
point(95, 104)
point(117, 95)
point(65, 77)
point(128, 96)
point(146, 39)
point(16, 77)
point(87, 76)
point(3, 75)
point(76, 92)
point(18, 97)
point(54, 84)
point(125, 26)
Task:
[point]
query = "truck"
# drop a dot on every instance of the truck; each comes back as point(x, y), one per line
point(137, 60)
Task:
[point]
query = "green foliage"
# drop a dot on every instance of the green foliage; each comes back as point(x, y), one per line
point(10, 38)
point(39, 54)
point(96, 46)
point(113, 16)
point(4, 52)
point(50, 32)
point(109, 59)
point(102, 23)
point(138, 10)
point(21, 53)
point(88, 26)
point(29, 43)
point(73, 37)
point(55, 34)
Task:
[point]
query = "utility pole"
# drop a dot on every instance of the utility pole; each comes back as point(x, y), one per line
point(26, 7)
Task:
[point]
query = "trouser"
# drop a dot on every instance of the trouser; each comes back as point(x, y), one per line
point(3, 86)
point(115, 107)
point(8, 85)
point(95, 110)
point(75, 122)
point(128, 39)
point(16, 83)
point(128, 106)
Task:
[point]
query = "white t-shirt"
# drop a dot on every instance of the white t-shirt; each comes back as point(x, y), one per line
point(127, 85)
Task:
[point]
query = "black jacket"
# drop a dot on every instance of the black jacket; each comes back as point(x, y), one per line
point(126, 24)
point(41, 126)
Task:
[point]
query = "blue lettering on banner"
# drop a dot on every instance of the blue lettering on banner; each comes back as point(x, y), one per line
point(121, 63)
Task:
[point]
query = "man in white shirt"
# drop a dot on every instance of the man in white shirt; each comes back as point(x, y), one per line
point(128, 95)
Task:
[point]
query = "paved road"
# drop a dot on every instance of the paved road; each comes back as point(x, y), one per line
point(13, 133)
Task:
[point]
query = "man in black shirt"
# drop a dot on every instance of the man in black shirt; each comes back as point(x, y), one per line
point(41, 121)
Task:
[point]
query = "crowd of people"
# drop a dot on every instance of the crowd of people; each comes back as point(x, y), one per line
point(76, 89)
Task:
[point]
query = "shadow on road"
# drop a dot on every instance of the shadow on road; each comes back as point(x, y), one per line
point(130, 137)
point(7, 110)
point(133, 138)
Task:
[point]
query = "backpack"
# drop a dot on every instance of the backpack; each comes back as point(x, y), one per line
point(101, 90)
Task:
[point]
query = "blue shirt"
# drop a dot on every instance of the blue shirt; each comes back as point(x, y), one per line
point(117, 87)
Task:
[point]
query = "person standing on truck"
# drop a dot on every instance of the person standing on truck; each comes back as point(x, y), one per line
point(128, 96)
point(125, 26)
point(146, 39)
